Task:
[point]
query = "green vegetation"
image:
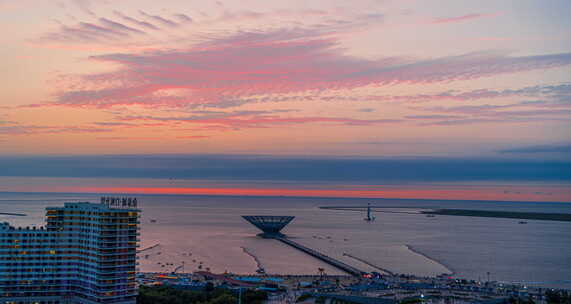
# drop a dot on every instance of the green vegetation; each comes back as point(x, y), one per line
point(170, 295)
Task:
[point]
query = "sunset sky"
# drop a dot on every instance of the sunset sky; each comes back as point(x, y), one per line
point(363, 78)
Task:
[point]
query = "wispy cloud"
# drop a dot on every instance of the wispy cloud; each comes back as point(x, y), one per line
point(556, 148)
point(136, 22)
point(193, 137)
point(36, 129)
point(520, 112)
point(119, 27)
point(183, 18)
point(498, 120)
point(160, 19)
point(84, 6)
point(435, 116)
point(463, 18)
point(236, 69)
point(104, 30)
point(254, 119)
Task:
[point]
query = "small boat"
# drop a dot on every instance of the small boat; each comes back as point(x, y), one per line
point(261, 270)
point(153, 221)
point(522, 222)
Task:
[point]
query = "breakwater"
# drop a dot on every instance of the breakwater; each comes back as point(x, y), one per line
point(565, 217)
point(325, 258)
point(12, 214)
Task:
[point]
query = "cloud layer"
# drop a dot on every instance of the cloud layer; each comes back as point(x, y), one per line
point(248, 66)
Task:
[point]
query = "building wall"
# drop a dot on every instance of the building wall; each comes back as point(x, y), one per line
point(86, 253)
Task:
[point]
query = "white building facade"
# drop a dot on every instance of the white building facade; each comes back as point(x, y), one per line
point(86, 253)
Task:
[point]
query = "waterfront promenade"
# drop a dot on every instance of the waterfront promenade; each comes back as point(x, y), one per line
point(377, 289)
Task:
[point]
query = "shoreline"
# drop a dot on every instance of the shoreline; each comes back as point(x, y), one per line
point(416, 251)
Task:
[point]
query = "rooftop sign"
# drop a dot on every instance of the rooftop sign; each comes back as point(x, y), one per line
point(119, 202)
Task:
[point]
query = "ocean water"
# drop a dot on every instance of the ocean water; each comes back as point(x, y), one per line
point(208, 233)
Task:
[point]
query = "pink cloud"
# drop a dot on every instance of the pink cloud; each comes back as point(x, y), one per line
point(193, 137)
point(239, 69)
point(33, 129)
point(122, 138)
point(159, 19)
point(85, 6)
point(136, 22)
point(489, 113)
point(463, 18)
point(244, 120)
point(85, 32)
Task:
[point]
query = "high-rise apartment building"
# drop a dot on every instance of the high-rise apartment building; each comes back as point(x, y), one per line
point(86, 253)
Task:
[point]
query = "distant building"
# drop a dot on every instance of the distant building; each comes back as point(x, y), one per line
point(86, 253)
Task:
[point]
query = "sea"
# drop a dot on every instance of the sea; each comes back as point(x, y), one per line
point(186, 233)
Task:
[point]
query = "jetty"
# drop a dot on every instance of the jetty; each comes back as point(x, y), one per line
point(12, 214)
point(325, 258)
point(271, 225)
point(563, 217)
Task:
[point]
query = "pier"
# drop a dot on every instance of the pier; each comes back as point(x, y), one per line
point(320, 256)
point(271, 225)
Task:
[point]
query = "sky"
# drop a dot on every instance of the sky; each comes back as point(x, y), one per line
point(414, 79)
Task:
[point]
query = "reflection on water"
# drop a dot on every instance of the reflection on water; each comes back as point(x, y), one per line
point(207, 233)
